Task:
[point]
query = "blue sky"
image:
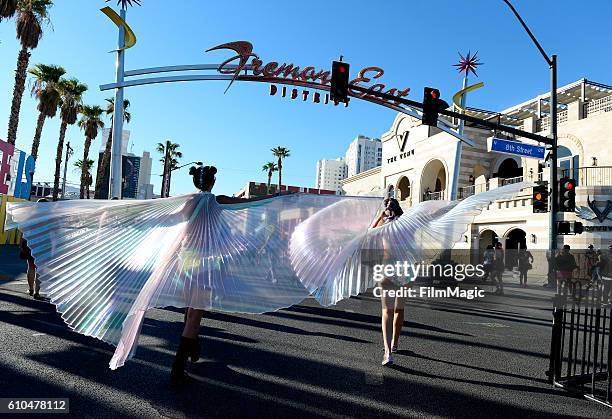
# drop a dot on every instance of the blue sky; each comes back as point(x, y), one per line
point(416, 42)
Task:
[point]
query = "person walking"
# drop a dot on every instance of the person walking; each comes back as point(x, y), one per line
point(591, 259)
point(605, 271)
point(525, 260)
point(498, 268)
point(488, 261)
point(565, 263)
point(392, 316)
point(25, 253)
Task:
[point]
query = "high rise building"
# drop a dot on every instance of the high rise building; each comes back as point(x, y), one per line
point(330, 173)
point(136, 171)
point(363, 154)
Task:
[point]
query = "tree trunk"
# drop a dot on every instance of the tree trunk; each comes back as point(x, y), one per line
point(280, 174)
point(269, 181)
point(84, 167)
point(36, 143)
point(58, 159)
point(20, 78)
point(102, 165)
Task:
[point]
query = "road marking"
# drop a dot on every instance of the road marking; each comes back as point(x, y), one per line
point(495, 325)
point(38, 334)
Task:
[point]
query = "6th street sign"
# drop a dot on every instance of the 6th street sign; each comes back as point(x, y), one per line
point(515, 148)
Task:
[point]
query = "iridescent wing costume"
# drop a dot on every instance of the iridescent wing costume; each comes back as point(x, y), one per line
point(103, 264)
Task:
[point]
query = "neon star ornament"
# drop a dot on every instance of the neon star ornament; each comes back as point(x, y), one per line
point(125, 3)
point(468, 63)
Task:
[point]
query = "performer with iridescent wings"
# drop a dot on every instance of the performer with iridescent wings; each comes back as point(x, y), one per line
point(103, 264)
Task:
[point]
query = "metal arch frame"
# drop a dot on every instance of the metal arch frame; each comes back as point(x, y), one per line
point(443, 124)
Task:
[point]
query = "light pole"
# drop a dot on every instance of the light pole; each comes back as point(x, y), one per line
point(69, 151)
point(166, 179)
point(554, 192)
point(115, 169)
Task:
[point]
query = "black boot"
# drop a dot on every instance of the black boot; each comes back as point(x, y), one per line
point(187, 348)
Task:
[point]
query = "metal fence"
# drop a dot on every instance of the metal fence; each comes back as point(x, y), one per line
point(591, 176)
point(581, 350)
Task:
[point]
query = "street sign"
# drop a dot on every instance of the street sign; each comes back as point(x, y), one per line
point(515, 148)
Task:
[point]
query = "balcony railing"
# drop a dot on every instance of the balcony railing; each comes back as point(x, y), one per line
point(511, 180)
point(590, 176)
point(472, 190)
point(433, 196)
point(593, 107)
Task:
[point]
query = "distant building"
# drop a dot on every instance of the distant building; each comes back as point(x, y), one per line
point(253, 189)
point(363, 154)
point(136, 171)
point(330, 174)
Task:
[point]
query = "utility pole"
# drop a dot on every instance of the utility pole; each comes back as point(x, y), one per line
point(69, 151)
point(115, 167)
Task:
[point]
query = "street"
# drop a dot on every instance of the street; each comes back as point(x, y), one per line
point(458, 358)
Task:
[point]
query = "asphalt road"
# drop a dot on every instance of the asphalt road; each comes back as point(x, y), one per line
point(457, 358)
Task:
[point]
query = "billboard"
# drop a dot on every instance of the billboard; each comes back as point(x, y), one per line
point(16, 168)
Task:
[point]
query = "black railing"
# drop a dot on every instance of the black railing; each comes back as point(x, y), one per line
point(590, 176)
point(433, 196)
point(581, 351)
point(472, 190)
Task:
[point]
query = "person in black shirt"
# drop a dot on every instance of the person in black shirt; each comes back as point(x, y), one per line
point(566, 264)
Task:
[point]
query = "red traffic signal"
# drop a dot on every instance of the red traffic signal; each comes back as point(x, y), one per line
point(567, 195)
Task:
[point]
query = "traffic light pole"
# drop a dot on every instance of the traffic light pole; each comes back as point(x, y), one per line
point(460, 116)
point(554, 183)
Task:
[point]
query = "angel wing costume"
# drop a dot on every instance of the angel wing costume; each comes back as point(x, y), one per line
point(103, 264)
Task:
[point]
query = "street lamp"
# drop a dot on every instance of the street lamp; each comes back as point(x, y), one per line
point(552, 63)
point(167, 185)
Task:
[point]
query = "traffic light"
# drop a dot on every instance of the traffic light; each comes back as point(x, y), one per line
point(540, 198)
point(567, 195)
point(338, 91)
point(563, 227)
point(431, 105)
point(569, 227)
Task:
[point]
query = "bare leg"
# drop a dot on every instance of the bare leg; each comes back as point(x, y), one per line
point(31, 275)
point(387, 328)
point(398, 322)
point(192, 323)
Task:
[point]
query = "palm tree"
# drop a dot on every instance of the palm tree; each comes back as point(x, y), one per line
point(269, 167)
point(7, 8)
point(103, 164)
point(71, 92)
point(45, 90)
point(31, 14)
point(168, 150)
point(280, 153)
point(90, 122)
point(88, 178)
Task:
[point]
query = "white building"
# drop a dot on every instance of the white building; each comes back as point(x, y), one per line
point(330, 174)
point(363, 154)
point(145, 188)
point(423, 167)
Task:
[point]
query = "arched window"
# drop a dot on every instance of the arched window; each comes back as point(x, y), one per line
point(390, 192)
point(568, 164)
point(403, 189)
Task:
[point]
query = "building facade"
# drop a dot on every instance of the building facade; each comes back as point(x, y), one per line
point(422, 167)
point(363, 154)
point(254, 189)
point(330, 174)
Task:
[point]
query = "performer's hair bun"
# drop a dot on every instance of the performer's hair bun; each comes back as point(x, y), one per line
point(203, 177)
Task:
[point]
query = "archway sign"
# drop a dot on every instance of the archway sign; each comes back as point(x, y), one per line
point(245, 65)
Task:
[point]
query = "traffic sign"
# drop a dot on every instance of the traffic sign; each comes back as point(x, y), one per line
point(515, 148)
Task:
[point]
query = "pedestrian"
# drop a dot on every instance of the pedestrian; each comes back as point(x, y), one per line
point(525, 260)
point(498, 268)
point(605, 270)
point(591, 262)
point(488, 261)
point(26, 253)
point(565, 263)
point(392, 315)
